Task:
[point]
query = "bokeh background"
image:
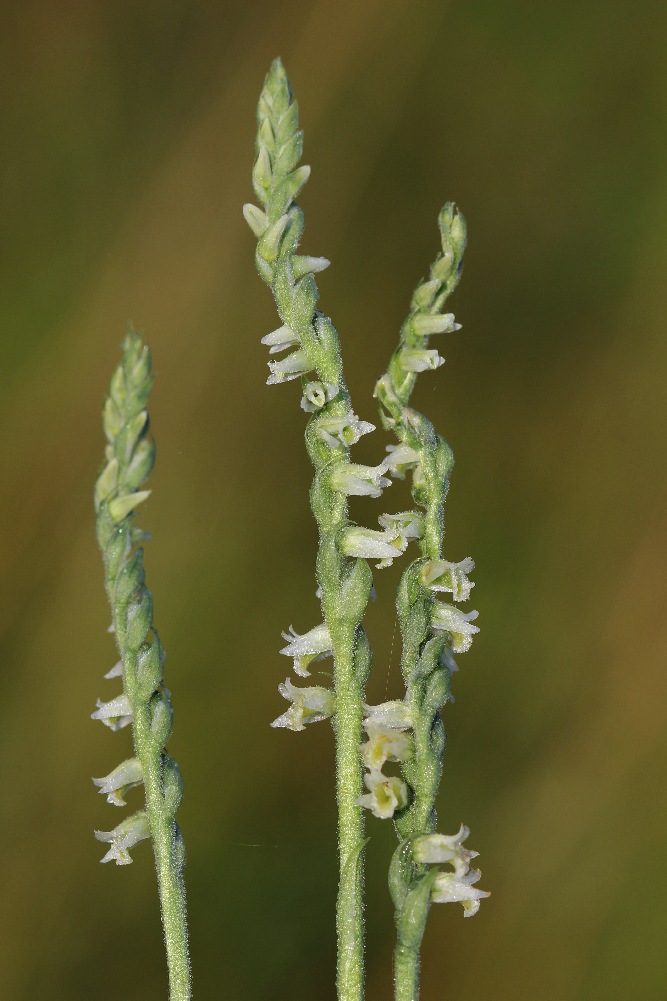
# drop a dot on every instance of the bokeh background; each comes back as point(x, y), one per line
point(126, 147)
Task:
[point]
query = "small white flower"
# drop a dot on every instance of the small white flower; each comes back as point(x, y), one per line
point(350, 478)
point(386, 795)
point(439, 575)
point(128, 834)
point(449, 619)
point(424, 324)
point(291, 367)
point(116, 783)
point(403, 527)
point(316, 395)
point(419, 359)
point(401, 458)
point(384, 744)
point(116, 671)
point(115, 714)
point(280, 339)
point(441, 848)
point(337, 431)
point(368, 544)
point(449, 888)
point(311, 646)
point(394, 714)
point(309, 705)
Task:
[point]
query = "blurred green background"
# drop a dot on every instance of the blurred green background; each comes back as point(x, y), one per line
point(126, 147)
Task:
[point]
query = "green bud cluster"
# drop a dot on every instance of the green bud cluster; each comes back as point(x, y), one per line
point(145, 702)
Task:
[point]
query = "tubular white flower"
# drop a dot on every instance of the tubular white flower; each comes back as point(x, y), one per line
point(449, 619)
point(350, 478)
point(424, 324)
point(394, 714)
point(449, 888)
point(369, 544)
point(291, 367)
point(310, 646)
point(440, 575)
point(280, 339)
point(384, 744)
point(126, 776)
point(441, 848)
point(337, 431)
point(115, 714)
point(128, 834)
point(419, 359)
point(386, 795)
point(400, 459)
point(316, 395)
point(309, 705)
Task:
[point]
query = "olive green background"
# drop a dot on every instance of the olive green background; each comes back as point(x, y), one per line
point(126, 147)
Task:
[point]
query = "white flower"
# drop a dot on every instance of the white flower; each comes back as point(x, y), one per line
point(316, 394)
point(366, 543)
point(291, 367)
point(350, 478)
point(116, 671)
point(441, 848)
point(425, 324)
point(309, 705)
point(115, 714)
point(439, 575)
point(280, 339)
point(403, 527)
point(455, 886)
point(387, 794)
point(394, 714)
point(337, 431)
point(419, 359)
point(384, 744)
point(401, 458)
point(128, 834)
point(311, 646)
point(449, 619)
point(449, 888)
point(116, 783)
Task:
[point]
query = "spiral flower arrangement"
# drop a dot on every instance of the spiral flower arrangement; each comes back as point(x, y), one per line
point(408, 732)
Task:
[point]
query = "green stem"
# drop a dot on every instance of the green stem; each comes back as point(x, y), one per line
point(167, 845)
point(349, 907)
point(406, 972)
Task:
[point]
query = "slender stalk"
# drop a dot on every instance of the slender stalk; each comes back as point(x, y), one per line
point(429, 631)
point(345, 584)
point(144, 702)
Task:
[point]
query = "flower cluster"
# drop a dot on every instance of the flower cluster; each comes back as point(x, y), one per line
point(455, 885)
point(387, 740)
